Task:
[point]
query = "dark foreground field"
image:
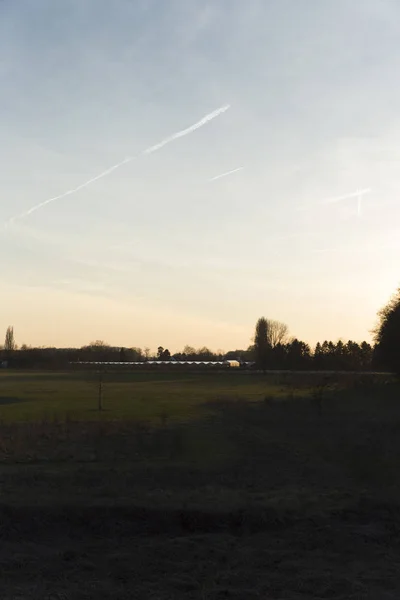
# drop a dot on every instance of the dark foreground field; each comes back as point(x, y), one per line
point(284, 497)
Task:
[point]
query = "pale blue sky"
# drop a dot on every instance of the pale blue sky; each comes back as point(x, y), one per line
point(155, 253)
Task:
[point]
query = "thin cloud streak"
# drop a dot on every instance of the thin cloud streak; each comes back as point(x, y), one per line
point(175, 136)
point(225, 174)
point(346, 196)
point(358, 194)
point(69, 192)
point(168, 140)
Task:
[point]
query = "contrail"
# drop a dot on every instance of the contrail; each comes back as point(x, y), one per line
point(73, 191)
point(357, 194)
point(154, 148)
point(225, 174)
point(346, 196)
point(190, 129)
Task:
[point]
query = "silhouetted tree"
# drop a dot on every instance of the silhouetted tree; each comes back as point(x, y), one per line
point(136, 354)
point(353, 356)
point(366, 355)
point(297, 355)
point(240, 355)
point(9, 343)
point(189, 353)
point(318, 357)
point(340, 356)
point(349, 356)
point(205, 354)
point(276, 332)
point(261, 344)
point(99, 351)
point(387, 334)
point(163, 354)
point(278, 357)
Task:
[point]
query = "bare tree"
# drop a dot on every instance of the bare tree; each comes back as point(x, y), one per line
point(189, 352)
point(9, 344)
point(277, 332)
point(98, 344)
point(136, 354)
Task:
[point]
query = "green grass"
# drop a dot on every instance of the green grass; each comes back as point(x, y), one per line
point(247, 487)
point(141, 396)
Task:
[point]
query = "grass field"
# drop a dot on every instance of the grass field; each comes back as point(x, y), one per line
point(151, 396)
point(203, 486)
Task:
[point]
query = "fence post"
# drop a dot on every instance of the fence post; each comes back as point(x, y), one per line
point(100, 396)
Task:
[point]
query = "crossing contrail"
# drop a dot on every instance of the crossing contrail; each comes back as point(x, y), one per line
point(225, 174)
point(346, 196)
point(359, 194)
point(154, 148)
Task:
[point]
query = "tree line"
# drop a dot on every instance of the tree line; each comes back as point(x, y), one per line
point(272, 348)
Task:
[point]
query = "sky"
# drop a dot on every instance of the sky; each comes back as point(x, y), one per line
point(164, 250)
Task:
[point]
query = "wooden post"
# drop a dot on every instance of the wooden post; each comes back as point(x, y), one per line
point(100, 398)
